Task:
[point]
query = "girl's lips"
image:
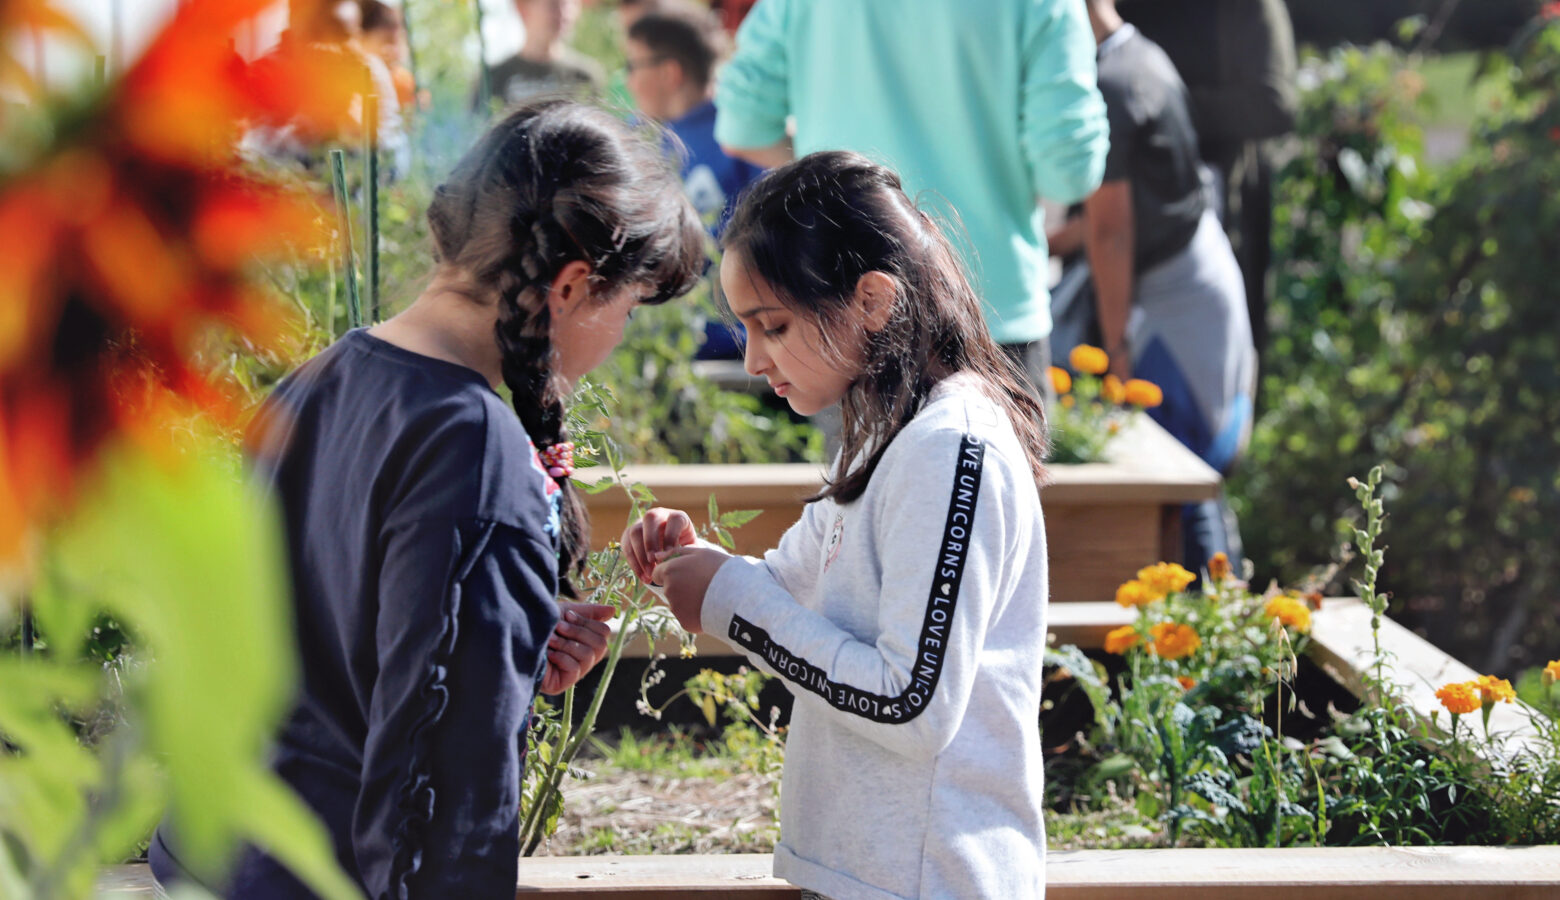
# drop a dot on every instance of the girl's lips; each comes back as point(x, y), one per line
point(781, 389)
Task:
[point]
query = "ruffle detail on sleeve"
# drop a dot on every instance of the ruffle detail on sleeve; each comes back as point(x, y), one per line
point(416, 797)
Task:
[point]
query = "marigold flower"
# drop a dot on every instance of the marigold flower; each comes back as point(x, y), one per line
point(1061, 381)
point(1135, 593)
point(1551, 673)
point(1494, 690)
point(1143, 393)
point(1290, 611)
point(1089, 359)
point(1165, 578)
point(1218, 567)
point(1460, 697)
point(1186, 682)
point(1067, 401)
point(1173, 641)
point(1112, 390)
point(1120, 640)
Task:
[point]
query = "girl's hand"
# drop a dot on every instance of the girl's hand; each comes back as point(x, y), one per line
point(660, 530)
point(685, 576)
point(577, 643)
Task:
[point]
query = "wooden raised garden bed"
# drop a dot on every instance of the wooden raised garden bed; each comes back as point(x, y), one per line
point(1340, 644)
point(1103, 521)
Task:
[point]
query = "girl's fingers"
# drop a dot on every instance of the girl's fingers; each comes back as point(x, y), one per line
point(588, 613)
point(563, 662)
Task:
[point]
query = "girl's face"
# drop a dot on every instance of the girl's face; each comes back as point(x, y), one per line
point(788, 349)
point(584, 329)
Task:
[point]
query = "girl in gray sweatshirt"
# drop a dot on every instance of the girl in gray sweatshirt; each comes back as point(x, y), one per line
point(906, 608)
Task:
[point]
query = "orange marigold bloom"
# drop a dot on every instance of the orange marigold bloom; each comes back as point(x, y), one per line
point(1165, 578)
point(1290, 611)
point(1143, 393)
point(1173, 641)
point(1088, 359)
point(1135, 593)
point(1460, 698)
point(1494, 690)
point(1061, 381)
point(1120, 640)
point(1187, 682)
point(1218, 567)
point(1112, 390)
point(1552, 673)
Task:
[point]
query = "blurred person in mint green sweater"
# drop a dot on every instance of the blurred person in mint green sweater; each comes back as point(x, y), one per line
point(982, 106)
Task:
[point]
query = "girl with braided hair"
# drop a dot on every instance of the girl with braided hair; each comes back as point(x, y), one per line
point(430, 529)
point(906, 608)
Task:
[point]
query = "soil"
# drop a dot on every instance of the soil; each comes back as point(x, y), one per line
point(616, 811)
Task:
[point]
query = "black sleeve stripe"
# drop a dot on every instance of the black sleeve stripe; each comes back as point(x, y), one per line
point(935, 627)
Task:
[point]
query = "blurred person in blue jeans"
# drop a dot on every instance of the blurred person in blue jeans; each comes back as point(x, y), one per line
point(982, 109)
point(670, 57)
point(1170, 299)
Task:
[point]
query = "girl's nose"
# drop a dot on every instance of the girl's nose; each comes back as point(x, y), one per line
point(754, 360)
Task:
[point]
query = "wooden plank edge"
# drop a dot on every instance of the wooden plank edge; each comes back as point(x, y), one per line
point(1412, 873)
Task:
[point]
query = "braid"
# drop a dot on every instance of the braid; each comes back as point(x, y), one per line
point(523, 332)
point(553, 183)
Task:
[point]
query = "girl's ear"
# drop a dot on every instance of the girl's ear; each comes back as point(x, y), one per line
point(876, 293)
point(570, 287)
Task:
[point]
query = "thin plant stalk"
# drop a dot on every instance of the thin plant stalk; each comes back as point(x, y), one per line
point(484, 87)
point(371, 201)
point(411, 46)
point(338, 168)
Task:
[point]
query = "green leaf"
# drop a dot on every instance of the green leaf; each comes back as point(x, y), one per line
point(191, 555)
point(738, 518)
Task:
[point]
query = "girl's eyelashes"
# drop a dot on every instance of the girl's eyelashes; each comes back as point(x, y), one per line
point(774, 332)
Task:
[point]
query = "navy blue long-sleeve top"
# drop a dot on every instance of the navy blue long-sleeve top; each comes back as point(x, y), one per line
point(422, 536)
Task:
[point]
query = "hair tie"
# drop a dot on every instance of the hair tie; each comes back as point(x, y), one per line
point(558, 459)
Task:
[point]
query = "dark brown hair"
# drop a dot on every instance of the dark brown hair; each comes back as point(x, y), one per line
point(811, 229)
point(689, 37)
point(552, 183)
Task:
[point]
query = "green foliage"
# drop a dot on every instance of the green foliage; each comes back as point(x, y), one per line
point(182, 550)
point(1414, 321)
point(1198, 743)
point(662, 408)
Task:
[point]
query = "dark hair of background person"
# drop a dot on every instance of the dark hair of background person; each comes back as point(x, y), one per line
point(378, 14)
point(687, 36)
point(811, 229)
point(552, 183)
point(319, 21)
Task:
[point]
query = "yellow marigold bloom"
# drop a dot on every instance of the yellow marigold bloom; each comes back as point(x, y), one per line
point(1061, 382)
point(1113, 390)
point(1089, 360)
point(1460, 698)
point(1495, 690)
point(1135, 593)
point(1143, 393)
point(1165, 578)
point(1186, 681)
point(1173, 641)
point(1218, 567)
point(1552, 673)
point(1120, 640)
point(1290, 611)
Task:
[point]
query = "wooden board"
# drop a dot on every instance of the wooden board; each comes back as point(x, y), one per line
point(1302, 873)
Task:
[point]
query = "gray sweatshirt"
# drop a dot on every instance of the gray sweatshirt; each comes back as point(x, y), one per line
point(910, 625)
